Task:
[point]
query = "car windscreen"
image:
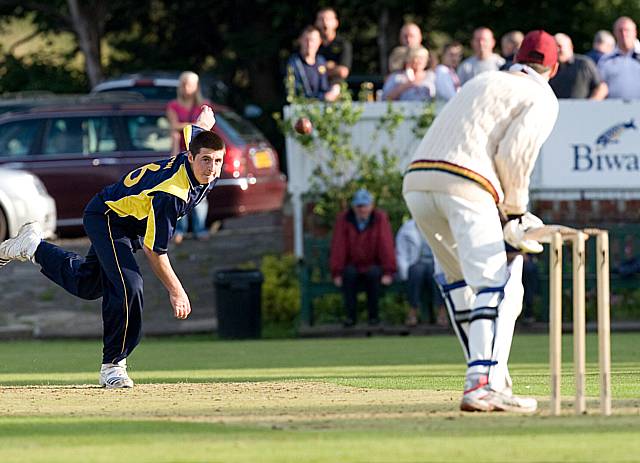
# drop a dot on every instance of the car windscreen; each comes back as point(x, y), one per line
point(239, 130)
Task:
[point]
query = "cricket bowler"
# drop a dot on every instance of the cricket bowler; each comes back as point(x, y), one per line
point(138, 212)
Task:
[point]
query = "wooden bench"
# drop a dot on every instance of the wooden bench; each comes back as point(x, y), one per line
point(315, 279)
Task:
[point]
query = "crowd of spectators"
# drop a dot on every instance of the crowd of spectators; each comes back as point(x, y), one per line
point(415, 73)
point(363, 255)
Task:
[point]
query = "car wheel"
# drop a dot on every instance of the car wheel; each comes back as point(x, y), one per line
point(4, 229)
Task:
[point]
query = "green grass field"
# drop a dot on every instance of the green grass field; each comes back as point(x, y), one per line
point(386, 399)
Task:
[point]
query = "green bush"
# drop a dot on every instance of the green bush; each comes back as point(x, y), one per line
point(280, 290)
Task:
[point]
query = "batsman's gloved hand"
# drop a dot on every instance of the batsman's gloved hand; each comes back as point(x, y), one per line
point(515, 229)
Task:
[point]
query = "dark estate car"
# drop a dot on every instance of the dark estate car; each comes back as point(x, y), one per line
point(78, 147)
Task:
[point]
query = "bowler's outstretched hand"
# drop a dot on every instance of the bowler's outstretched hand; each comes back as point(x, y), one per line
point(206, 119)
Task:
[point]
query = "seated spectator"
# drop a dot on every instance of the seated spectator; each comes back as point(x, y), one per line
point(310, 68)
point(410, 37)
point(630, 265)
point(183, 111)
point(335, 48)
point(362, 255)
point(414, 82)
point(447, 81)
point(509, 45)
point(416, 267)
point(483, 59)
point(603, 44)
point(577, 76)
point(621, 68)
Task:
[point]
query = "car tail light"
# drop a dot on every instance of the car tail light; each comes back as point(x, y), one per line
point(235, 163)
point(145, 83)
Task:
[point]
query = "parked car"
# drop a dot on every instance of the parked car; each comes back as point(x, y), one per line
point(23, 198)
point(78, 148)
point(156, 85)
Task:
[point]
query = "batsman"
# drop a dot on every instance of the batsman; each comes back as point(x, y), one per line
point(138, 212)
point(467, 177)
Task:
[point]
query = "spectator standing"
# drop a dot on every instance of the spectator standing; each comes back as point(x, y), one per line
point(603, 44)
point(335, 48)
point(447, 81)
point(483, 59)
point(509, 45)
point(310, 69)
point(362, 255)
point(416, 267)
point(410, 37)
point(415, 82)
point(621, 68)
point(577, 76)
point(183, 111)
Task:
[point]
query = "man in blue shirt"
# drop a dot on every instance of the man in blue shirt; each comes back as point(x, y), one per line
point(310, 69)
point(138, 212)
point(621, 69)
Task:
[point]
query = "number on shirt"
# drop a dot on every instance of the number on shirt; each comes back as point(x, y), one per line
point(136, 175)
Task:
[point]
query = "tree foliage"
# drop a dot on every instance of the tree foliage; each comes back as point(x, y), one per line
point(245, 43)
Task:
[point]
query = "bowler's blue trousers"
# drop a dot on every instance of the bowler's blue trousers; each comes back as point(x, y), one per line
point(110, 271)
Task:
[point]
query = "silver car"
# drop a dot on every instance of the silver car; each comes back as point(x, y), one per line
point(23, 198)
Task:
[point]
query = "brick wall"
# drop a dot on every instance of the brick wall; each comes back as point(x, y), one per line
point(587, 212)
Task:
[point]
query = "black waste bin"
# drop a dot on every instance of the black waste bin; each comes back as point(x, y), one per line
point(238, 303)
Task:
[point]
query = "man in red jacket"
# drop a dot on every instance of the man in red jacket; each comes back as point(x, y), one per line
point(362, 254)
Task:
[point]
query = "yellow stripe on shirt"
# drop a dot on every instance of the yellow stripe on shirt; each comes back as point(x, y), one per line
point(186, 133)
point(150, 233)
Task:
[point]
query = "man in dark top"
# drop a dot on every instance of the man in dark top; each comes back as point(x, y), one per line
point(138, 212)
point(577, 75)
point(310, 68)
point(335, 48)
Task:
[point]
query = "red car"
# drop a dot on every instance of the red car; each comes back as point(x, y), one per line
point(77, 146)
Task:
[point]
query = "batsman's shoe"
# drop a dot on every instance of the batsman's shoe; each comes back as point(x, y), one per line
point(475, 396)
point(23, 246)
point(481, 398)
point(502, 402)
point(114, 375)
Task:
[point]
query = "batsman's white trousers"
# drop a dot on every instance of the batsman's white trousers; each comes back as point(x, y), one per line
point(467, 241)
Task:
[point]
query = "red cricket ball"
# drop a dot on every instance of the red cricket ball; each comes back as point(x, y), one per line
point(303, 126)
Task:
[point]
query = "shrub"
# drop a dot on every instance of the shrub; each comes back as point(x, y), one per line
point(280, 290)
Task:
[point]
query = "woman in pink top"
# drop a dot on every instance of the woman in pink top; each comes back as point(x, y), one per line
point(181, 112)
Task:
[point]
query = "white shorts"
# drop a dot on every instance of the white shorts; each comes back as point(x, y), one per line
point(466, 236)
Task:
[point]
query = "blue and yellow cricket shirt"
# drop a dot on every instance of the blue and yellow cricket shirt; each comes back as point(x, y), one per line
point(149, 200)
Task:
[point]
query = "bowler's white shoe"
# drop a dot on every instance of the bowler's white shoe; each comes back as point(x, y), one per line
point(114, 375)
point(23, 246)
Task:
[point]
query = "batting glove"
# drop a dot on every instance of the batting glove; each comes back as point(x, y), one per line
point(514, 232)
